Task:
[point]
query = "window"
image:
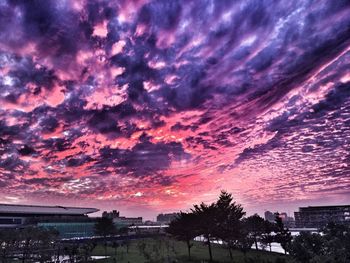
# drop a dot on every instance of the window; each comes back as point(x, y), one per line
point(10, 221)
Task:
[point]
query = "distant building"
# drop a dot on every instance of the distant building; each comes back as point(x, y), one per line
point(128, 221)
point(68, 221)
point(287, 220)
point(319, 216)
point(269, 216)
point(122, 220)
point(150, 223)
point(147, 229)
point(111, 215)
point(166, 218)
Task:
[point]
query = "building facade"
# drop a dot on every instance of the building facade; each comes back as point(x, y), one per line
point(166, 218)
point(128, 221)
point(287, 220)
point(269, 216)
point(68, 221)
point(122, 220)
point(111, 215)
point(319, 216)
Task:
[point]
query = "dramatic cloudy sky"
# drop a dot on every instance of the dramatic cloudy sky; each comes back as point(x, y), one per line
point(151, 106)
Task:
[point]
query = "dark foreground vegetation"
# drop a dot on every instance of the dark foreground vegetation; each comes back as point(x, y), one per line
point(36, 245)
point(225, 221)
point(221, 222)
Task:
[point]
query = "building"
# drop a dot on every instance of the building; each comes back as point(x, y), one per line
point(68, 221)
point(122, 220)
point(111, 215)
point(148, 229)
point(166, 218)
point(287, 220)
point(269, 216)
point(128, 221)
point(319, 216)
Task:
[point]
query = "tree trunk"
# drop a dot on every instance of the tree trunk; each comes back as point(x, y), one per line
point(58, 253)
point(189, 249)
point(230, 251)
point(209, 247)
point(270, 246)
point(25, 249)
point(256, 243)
point(105, 245)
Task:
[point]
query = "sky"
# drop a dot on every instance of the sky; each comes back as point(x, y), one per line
point(153, 106)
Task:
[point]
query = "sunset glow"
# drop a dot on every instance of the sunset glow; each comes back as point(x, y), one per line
point(152, 106)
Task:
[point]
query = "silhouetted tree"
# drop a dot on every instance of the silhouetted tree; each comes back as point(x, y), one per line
point(333, 246)
point(306, 246)
point(104, 226)
point(86, 250)
point(267, 237)
point(283, 236)
point(206, 223)
point(228, 218)
point(255, 226)
point(336, 239)
point(126, 243)
point(183, 228)
point(72, 250)
point(245, 240)
point(115, 245)
point(7, 242)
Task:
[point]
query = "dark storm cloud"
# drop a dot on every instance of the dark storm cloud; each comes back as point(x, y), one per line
point(9, 130)
point(104, 122)
point(77, 160)
point(161, 14)
point(143, 159)
point(200, 141)
point(178, 127)
point(315, 120)
point(333, 100)
point(51, 24)
point(212, 72)
point(26, 150)
point(46, 181)
point(56, 144)
point(49, 124)
point(13, 164)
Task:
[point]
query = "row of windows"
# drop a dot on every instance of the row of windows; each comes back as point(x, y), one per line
point(10, 221)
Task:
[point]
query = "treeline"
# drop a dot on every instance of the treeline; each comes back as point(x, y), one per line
point(331, 245)
point(34, 244)
point(225, 221)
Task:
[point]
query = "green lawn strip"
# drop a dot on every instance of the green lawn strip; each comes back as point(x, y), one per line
point(168, 250)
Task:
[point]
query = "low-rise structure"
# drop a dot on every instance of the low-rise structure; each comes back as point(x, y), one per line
point(122, 220)
point(166, 218)
point(287, 220)
point(319, 216)
point(68, 221)
point(269, 216)
point(128, 221)
point(111, 215)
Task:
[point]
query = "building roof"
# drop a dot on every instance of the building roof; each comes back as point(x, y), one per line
point(44, 210)
point(329, 207)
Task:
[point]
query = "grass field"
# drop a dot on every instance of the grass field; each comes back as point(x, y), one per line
point(164, 250)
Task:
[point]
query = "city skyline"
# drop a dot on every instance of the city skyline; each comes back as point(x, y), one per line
point(153, 106)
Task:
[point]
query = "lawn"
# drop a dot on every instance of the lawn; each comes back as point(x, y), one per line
point(164, 250)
